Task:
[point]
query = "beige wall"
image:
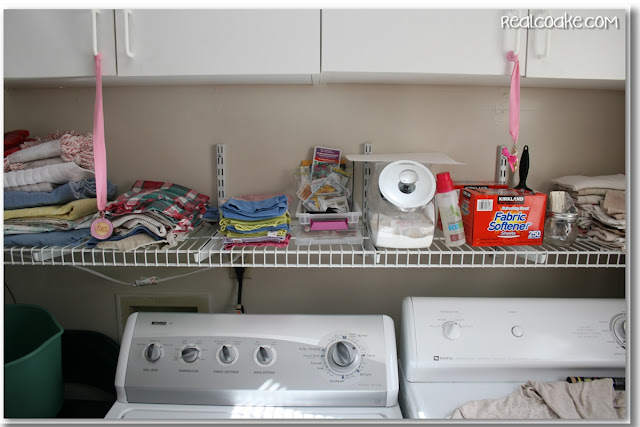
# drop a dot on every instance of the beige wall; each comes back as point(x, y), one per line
point(170, 132)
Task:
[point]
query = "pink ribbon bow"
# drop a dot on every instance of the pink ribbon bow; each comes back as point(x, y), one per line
point(513, 158)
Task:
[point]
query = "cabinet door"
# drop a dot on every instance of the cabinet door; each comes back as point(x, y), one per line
point(471, 42)
point(577, 53)
point(57, 43)
point(244, 43)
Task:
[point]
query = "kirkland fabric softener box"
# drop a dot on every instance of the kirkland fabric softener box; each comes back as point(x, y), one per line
point(503, 217)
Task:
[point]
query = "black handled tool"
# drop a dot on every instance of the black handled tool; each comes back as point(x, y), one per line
point(524, 170)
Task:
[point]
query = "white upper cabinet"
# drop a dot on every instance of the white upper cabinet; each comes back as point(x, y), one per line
point(390, 45)
point(578, 53)
point(243, 45)
point(57, 43)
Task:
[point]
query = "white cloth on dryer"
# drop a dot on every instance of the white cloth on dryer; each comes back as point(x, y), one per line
point(551, 400)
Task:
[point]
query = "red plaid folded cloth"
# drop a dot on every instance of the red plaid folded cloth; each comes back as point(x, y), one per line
point(282, 244)
point(183, 206)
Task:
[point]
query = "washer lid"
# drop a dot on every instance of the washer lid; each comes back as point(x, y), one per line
point(407, 184)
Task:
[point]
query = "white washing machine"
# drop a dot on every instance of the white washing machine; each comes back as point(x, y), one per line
point(223, 366)
point(454, 350)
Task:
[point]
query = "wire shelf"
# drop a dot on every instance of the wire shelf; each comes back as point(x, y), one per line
point(204, 248)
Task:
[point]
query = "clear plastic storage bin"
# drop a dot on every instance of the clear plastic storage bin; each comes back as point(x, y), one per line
point(329, 228)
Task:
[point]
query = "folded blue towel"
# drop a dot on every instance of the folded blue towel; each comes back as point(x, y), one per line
point(93, 242)
point(75, 190)
point(51, 238)
point(211, 214)
point(256, 209)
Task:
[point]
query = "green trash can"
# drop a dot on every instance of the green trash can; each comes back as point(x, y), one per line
point(33, 385)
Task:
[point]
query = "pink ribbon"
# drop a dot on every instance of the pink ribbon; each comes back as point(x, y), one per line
point(514, 107)
point(513, 158)
point(99, 150)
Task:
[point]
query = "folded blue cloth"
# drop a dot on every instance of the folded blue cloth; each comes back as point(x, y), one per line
point(274, 228)
point(93, 242)
point(256, 209)
point(85, 189)
point(211, 214)
point(51, 238)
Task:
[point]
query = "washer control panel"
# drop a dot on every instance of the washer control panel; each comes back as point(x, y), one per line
point(223, 359)
point(492, 339)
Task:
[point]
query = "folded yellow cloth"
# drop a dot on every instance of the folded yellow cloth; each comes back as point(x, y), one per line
point(70, 211)
point(254, 225)
point(278, 233)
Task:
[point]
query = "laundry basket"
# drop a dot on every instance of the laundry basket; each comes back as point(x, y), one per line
point(33, 386)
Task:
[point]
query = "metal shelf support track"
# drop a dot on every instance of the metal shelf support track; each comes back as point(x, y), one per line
point(204, 248)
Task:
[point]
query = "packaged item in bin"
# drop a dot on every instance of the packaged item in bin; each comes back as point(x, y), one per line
point(324, 159)
point(499, 217)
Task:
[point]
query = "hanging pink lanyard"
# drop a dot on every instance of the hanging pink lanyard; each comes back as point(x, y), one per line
point(514, 111)
point(101, 228)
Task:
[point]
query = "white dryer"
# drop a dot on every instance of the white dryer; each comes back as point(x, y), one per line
point(223, 366)
point(455, 350)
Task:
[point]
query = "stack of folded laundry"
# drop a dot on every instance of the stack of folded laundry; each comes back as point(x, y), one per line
point(49, 189)
point(59, 217)
point(152, 214)
point(600, 201)
point(41, 164)
point(258, 220)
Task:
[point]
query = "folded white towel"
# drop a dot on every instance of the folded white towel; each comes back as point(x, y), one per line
point(37, 152)
point(614, 202)
point(56, 174)
point(41, 186)
point(580, 182)
point(588, 199)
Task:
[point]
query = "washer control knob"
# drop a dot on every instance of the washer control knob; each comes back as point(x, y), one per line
point(343, 353)
point(153, 352)
point(264, 355)
point(190, 354)
point(227, 354)
point(452, 330)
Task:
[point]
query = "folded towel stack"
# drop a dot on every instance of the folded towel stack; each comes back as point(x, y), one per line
point(49, 189)
point(262, 220)
point(46, 218)
point(41, 164)
point(152, 214)
point(600, 201)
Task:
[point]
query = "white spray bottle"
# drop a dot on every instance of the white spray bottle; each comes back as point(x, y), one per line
point(449, 207)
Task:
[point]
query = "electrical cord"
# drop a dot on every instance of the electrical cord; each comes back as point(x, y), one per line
point(141, 282)
point(9, 289)
point(240, 276)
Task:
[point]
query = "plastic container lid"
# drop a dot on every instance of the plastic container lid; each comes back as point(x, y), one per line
point(407, 184)
point(567, 216)
point(444, 184)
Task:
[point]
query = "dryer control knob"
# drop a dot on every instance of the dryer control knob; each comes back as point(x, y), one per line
point(190, 354)
point(452, 330)
point(264, 355)
point(153, 352)
point(343, 353)
point(227, 354)
point(618, 327)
